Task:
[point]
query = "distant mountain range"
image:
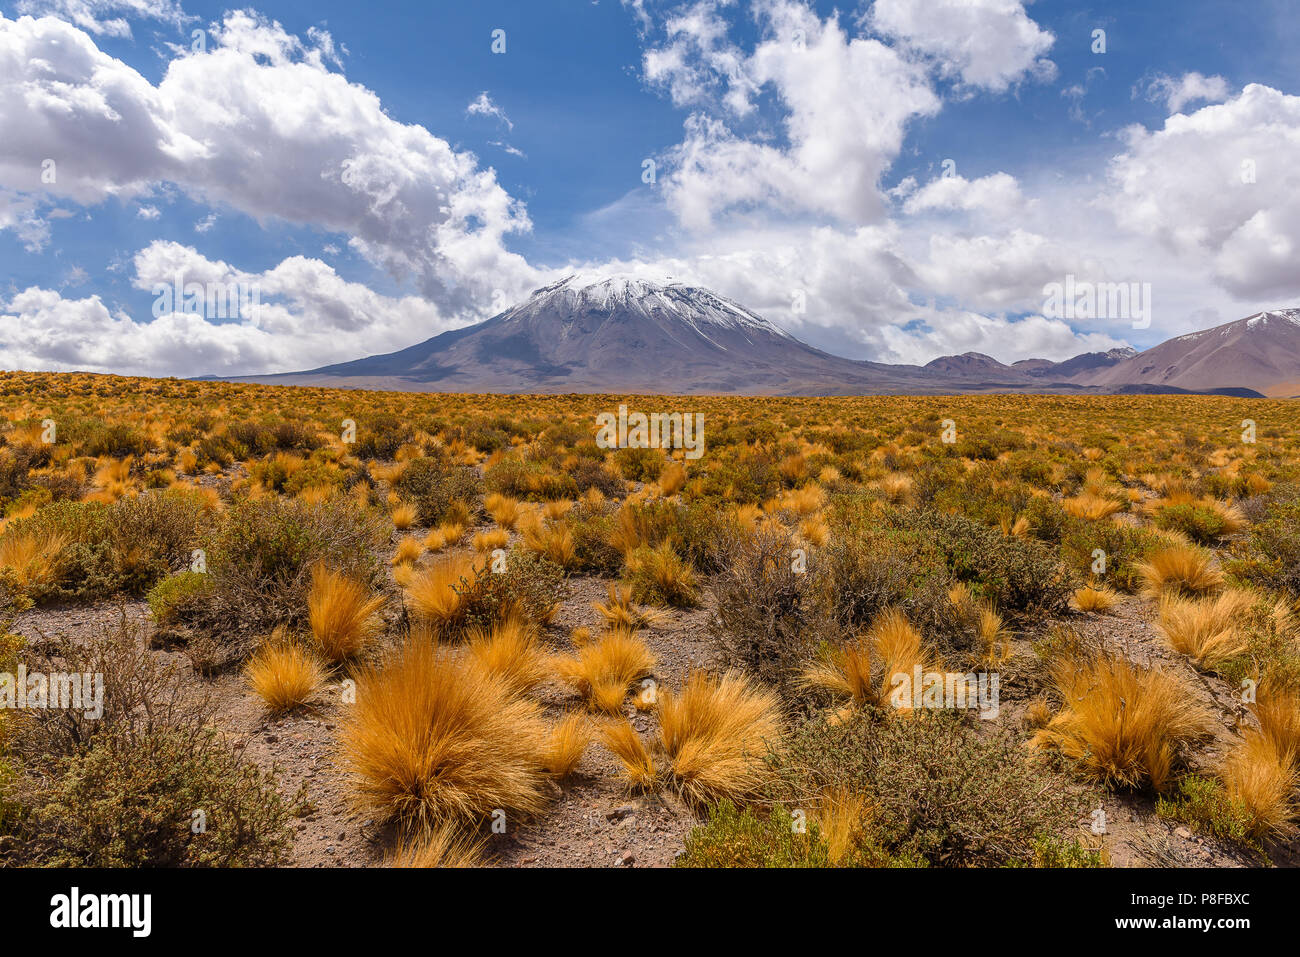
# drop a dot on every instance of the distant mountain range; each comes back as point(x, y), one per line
point(624, 335)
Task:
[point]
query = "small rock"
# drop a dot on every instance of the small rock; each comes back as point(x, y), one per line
point(625, 860)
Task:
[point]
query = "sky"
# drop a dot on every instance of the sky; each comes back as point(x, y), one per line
point(894, 180)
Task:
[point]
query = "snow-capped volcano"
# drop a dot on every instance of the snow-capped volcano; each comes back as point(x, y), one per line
point(631, 334)
point(633, 297)
point(614, 333)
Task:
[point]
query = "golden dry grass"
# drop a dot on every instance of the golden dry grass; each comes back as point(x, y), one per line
point(1095, 598)
point(553, 541)
point(433, 738)
point(1091, 506)
point(32, 556)
point(503, 509)
point(672, 478)
point(1123, 725)
point(567, 744)
point(1207, 630)
point(604, 669)
point(619, 611)
point(284, 675)
point(841, 814)
point(404, 516)
point(670, 575)
point(438, 594)
point(491, 539)
point(510, 650)
point(342, 612)
point(862, 670)
point(408, 551)
point(1180, 568)
point(440, 846)
point(636, 760)
point(716, 733)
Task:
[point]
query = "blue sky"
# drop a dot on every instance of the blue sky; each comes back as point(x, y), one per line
point(332, 156)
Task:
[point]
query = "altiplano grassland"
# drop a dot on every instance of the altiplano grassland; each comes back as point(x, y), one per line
point(342, 628)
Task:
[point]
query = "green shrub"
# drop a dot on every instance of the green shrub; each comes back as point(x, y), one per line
point(768, 615)
point(259, 569)
point(659, 576)
point(432, 486)
point(531, 585)
point(640, 465)
point(380, 436)
point(1058, 852)
point(591, 527)
point(940, 788)
point(529, 478)
point(95, 438)
point(589, 474)
point(750, 479)
point(1023, 577)
point(134, 801)
point(125, 547)
point(1203, 804)
point(734, 837)
point(864, 571)
point(1197, 522)
point(169, 597)
point(1274, 546)
point(1125, 546)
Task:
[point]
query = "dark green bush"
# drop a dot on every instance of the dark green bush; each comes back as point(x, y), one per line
point(1274, 545)
point(941, 789)
point(380, 436)
point(640, 465)
point(749, 837)
point(136, 801)
point(260, 565)
point(168, 598)
point(1197, 522)
point(433, 486)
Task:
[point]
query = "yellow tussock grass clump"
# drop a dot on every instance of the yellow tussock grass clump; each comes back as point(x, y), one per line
point(342, 612)
point(603, 670)
point(567, 744)
point(863, 670)
point(503, 509)
point(284, 675)
point(441, 593)
point(1180, 568)
point(638, 763)
point(716, 733)
point(1206, 629)
point(1095, 598)
point(1123, 725)
point(510, 650)
point(433, 738)
point(32, 556)
point(440, 846)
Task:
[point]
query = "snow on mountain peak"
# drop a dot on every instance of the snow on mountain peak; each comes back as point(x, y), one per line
point(1264, 318)
point(638, 296)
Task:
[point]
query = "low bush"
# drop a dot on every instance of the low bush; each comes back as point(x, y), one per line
point(940, 789)
point(434, 487)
